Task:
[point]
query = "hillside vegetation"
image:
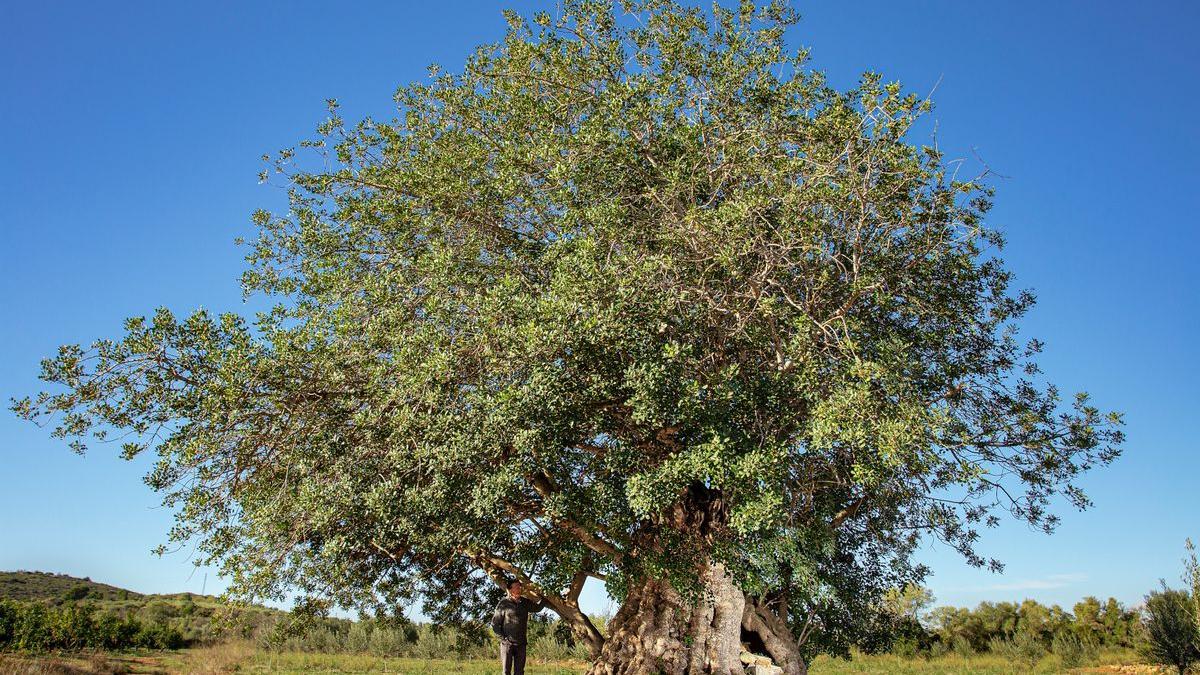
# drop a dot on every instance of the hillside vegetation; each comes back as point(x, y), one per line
point(24, 585)
point(84, 604)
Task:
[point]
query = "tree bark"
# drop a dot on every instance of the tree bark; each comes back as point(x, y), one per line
point(775, 635)
point(656, 631)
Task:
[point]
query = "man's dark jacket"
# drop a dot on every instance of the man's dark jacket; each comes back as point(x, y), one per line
point(511, 618)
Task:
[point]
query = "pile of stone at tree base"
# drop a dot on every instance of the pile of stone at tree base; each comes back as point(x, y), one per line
point(759, 665)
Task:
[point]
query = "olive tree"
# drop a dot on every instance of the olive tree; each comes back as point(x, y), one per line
point(636, 296)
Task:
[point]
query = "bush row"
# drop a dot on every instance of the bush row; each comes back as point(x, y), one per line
point(548, 639)
point(1024, 631)
point(35, 627)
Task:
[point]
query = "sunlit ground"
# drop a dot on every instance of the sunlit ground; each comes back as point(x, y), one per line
point(244, 658)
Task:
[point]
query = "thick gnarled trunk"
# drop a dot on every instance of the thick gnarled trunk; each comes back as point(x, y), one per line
point(655, 631)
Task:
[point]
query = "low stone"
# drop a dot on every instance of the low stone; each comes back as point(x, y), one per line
point(759, 665)
point(750, 659)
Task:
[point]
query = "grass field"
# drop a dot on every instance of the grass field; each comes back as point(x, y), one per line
point(243, 658)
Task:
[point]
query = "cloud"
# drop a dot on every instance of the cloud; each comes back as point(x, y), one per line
point(1051, 581)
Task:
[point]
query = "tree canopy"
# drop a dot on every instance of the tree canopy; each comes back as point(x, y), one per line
point(635, 291)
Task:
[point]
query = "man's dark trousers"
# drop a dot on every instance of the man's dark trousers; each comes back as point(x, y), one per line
point(512, 657)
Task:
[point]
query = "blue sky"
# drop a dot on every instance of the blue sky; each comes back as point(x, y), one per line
point(133, 133)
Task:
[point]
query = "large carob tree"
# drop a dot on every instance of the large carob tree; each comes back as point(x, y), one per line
point(637, 296)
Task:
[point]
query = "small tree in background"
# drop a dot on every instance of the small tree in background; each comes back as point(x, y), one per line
point(1171, 628)
point(908, 607)
point(912, 601)
point(1191, 577)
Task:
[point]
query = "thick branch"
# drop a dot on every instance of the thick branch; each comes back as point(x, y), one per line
point(848, 512)
point(545, 487)
point(576, 587)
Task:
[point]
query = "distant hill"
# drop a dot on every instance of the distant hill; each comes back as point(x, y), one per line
point(24, 585)
point(48, 586)
point(189, 612)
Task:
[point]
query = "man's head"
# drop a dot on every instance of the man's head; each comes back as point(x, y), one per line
point(515, 589)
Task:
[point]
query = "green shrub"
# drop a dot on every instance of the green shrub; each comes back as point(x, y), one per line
point(30, 632)
point(909, 638)
point(157, 636)
point(550, 647)
point(471, 637)
point(158, 612)
point(962, 646)
point(8, 619)
point(1072, 650)
point(78, 592)
point(387, 642)
point(70, 627)
point(1023, 646)
point(114, 632)
point(1171, 629)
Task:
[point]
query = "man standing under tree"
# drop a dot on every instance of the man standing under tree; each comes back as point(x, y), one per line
point(510, 621)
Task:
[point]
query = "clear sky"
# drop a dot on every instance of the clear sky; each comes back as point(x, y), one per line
point(133, 133)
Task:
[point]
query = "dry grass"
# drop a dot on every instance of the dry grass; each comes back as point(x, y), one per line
point(296, 662)
point(242, 657)
point(227, 657)
point(76, 664)
point(977, 664)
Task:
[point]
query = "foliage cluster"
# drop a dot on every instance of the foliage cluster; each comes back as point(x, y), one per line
point(36, 627)
point(1107, 624)
point(1025, 632)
